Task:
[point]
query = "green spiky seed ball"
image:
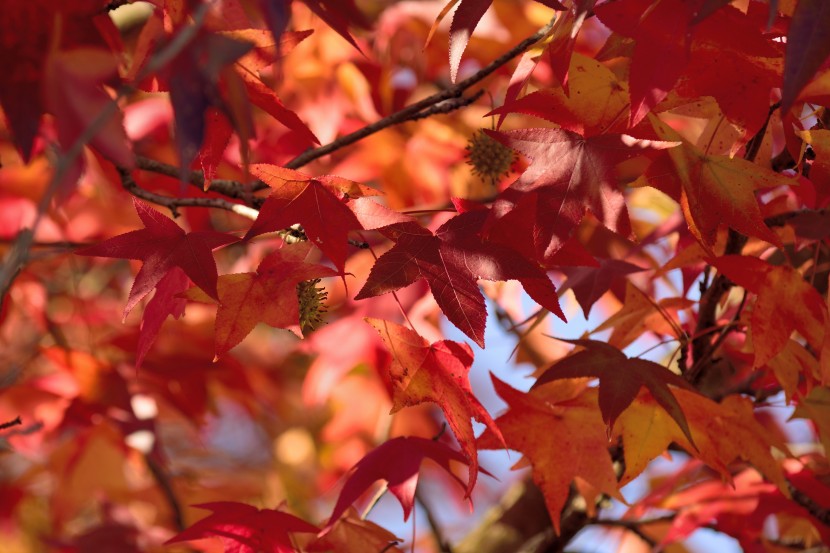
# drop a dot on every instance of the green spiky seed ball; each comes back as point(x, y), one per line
point(312, 305)
point(489, 158)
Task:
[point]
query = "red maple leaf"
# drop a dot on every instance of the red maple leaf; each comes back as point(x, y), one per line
point(785, 302)
point(451, 261)
point(319, 205)
point(268, 295)
point(163, 245)
point(397, 461)
point(28, 40)
point(568, 174)
point(464, 21)
point(246, 529)
point(165, 302)
point(807, 48)
point(568, 441)
point(732, 61)
point(589, 284)
point(620, 380)
point(662, 32)
point(440, 373)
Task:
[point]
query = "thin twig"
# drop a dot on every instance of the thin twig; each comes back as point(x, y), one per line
point(229, 188)
point(633, 526)
point(17, 421)
point(448, 106)
point(707, 312)
point(388, 546)
point(722, 335)
point(437, 533)
point(413, 111)
point(822, 514)
point(166, 486)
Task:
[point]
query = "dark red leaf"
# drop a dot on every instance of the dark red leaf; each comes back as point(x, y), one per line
point(808, 46)
point(397, 461)
point(163, 245)
point(620, 380)
point(568, 174)
point(246, 529)
point(451, 261)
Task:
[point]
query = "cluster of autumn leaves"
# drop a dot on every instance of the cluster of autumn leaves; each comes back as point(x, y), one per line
point(676, 99)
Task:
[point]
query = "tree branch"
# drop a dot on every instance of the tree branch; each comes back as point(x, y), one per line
point(636, 526)
point(166, 486)
point(520, 515)
point(230, 188)
point(702, 347)
point(173, 204)
point(444, 101)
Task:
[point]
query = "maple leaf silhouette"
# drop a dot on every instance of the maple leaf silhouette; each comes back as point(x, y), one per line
point(590, 283)
point(620, 380)
point(163, 245)
point(194, 76)
point(246, 529)
point(451, 260)
point(439, 373)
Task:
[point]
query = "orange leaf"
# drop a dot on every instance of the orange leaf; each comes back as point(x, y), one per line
point(439, 373)
point(712, 189)
point(620, 380)
point(640, 314)
point(723, 433)
point(786, 302)
point(350, 534)
point(268, 295)
point(570, 442)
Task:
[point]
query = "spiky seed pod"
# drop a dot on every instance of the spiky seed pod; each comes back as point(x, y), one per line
point(312, 305)
point(490, 159)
